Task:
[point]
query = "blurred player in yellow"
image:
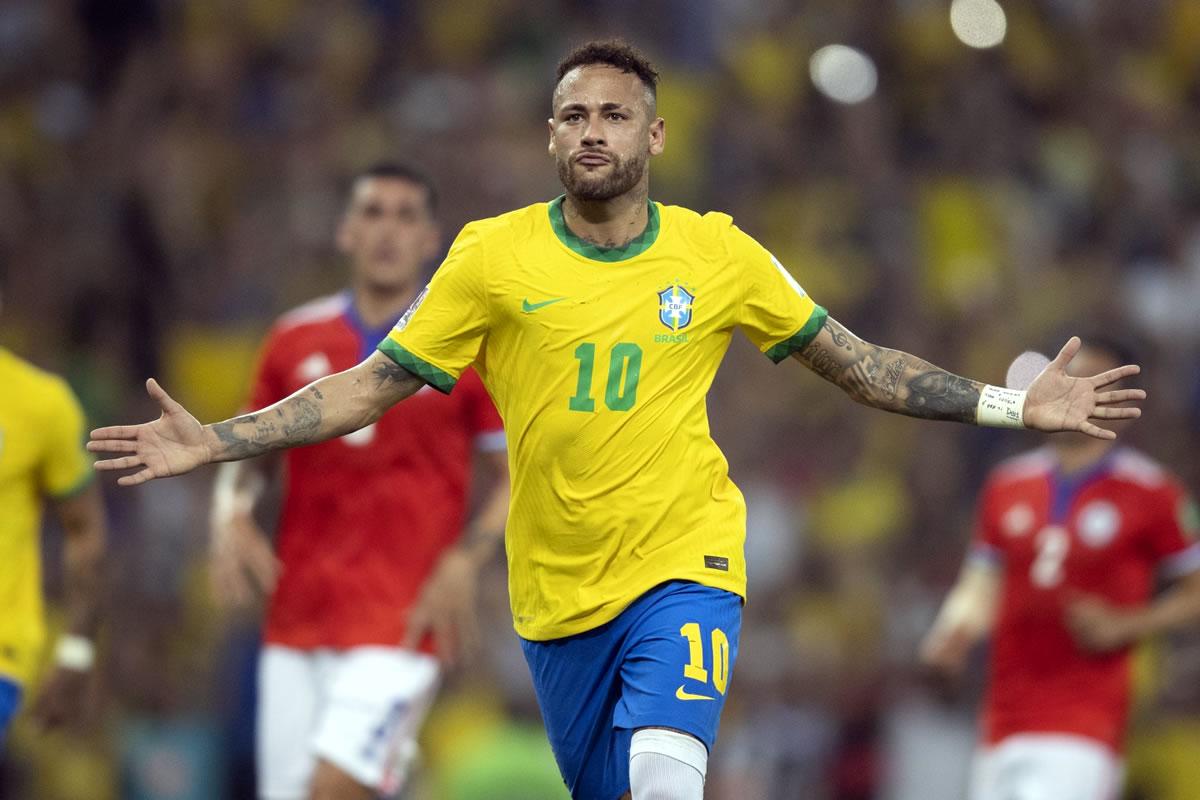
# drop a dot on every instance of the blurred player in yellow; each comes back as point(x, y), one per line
point(597, 322)
point(42, 459)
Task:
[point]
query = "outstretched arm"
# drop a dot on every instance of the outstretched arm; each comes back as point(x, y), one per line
point(176, 442)
point(895, 381)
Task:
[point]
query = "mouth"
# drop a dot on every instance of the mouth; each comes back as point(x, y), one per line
point(592, 159)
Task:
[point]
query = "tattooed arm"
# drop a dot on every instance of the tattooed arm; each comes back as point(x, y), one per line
point(895, 381)
point(176, 443)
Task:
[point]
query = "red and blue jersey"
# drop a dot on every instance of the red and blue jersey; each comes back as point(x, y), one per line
point(1109, 531)
point(366, 516)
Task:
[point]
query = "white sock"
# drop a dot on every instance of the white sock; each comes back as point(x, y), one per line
point(666, 765)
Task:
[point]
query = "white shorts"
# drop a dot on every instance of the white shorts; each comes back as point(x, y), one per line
point(359, 709)
point(1041, 766)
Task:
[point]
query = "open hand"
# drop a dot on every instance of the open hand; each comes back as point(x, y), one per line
point(171, 445)
point(1058, 402)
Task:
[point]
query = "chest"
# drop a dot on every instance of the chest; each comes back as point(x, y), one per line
point(1051, 533)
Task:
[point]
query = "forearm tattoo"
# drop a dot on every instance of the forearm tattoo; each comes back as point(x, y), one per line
point(889, 379)
point(293, 422)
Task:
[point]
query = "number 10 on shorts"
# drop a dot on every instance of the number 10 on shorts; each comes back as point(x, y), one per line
point(694, 669)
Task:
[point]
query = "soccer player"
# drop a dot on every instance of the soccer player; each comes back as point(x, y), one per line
point(370, 553)
point(42, 459)
point(597, 321)
point(1061, 574)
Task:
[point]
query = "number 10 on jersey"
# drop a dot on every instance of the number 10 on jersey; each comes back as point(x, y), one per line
point(620, 390)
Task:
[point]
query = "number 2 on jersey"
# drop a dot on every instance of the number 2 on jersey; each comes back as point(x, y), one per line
point(624, 369)
point(1052, 544)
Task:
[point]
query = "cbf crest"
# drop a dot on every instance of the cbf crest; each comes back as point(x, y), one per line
point(675, 306)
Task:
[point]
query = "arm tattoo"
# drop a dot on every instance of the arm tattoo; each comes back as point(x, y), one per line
point(297, 419)
point(390, 375)
point(889, 379)
point(937, 394)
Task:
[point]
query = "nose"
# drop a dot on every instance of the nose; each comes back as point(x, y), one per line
point(593, 134)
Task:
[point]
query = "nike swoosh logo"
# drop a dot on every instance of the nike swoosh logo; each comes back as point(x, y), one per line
point(680, 694)
point(529, 307)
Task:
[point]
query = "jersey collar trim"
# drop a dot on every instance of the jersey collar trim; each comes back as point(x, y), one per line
point(595, 252)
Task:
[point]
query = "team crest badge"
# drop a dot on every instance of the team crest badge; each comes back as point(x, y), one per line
point(675, 307)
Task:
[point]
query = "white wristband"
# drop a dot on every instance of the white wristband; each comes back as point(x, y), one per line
point(1001, 408)
point(75, 652)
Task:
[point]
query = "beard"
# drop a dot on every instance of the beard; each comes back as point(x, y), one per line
point(623, 176)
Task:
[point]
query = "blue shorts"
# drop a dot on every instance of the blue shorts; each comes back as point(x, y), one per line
point(664, 662)
point(10, 701)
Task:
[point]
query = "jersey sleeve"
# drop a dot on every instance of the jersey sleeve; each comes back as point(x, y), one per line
point(442, 332)
point(483, 420)
point(65, 467)
point(1174, 534)
point(775, 312)
point(986, 543)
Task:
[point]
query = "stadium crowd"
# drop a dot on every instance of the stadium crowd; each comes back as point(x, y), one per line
point(170, 174)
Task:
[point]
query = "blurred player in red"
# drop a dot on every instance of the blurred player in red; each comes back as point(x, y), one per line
point(1071, 539)
point(372, 554)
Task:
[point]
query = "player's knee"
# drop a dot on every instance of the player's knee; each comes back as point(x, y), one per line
point(666, 765)
point(331, 783)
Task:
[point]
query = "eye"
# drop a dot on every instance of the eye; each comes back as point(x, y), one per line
point(574, 116)
point(617, 116)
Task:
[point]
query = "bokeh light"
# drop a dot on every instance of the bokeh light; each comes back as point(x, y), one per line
point(843, 74)
point(978, 23)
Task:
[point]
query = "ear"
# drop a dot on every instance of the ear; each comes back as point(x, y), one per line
point(658, 136)
point(550, 128)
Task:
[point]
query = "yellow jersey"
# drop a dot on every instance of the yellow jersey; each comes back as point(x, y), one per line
point(41, 456)
point(599, 360)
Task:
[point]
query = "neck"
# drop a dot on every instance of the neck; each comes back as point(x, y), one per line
point(609, 223)
point(379, 306)
point(1077, 457)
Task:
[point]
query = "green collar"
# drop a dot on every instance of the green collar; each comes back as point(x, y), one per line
point(637, 246)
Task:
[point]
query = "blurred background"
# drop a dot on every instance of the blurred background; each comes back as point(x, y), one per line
point(960, 185)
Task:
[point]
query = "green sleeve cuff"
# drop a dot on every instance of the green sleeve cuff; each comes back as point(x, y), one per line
point(800, 339)
point(437, 378)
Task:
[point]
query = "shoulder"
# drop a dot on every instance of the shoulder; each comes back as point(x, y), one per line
point(710, 229)
point(307, 319)
point(1133, 467)
point(519, 222)
point(37, 384)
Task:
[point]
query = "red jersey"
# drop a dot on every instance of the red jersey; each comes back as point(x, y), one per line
point(365, 517)
point(1109, 532)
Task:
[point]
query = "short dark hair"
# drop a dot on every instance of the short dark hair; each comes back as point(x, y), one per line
point(404, 172)
point(1123, 348)
point(614, 53)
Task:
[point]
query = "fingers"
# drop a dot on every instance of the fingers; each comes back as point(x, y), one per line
point(125, 462)
point(1119, 396)
point(136, 479)
point(1067, 353)
point(1105, 412)
point(1096, 432)
point(264, 569)
point(161, 397)
point(417, 628)
point(1114, 375)
point(113, 432)
point(113, 446)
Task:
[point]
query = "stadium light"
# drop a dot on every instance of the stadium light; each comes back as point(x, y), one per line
point(843, 74)
point(978, 23)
